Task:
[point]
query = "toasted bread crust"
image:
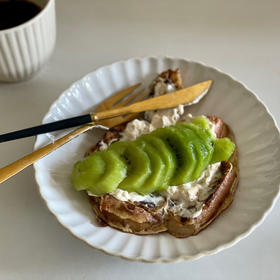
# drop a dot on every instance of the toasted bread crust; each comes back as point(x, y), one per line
point(129, 217)
point(142, 218)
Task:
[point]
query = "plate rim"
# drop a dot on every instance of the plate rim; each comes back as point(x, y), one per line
point(182, 257)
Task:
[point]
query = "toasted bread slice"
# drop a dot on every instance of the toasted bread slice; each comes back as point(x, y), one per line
point(147, 218)
point(142, 217)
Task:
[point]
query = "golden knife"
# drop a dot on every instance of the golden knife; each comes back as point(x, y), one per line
point(166, 101)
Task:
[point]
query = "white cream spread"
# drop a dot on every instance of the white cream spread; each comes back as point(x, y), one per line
point(212, 128)
point(186, 200)
point(136, 128)
point(160, 88)
point(133, 196)
point(103, 146)
point(159, 119)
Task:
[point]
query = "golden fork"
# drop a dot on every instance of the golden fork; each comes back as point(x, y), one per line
point(115, 102)
point(118, 100)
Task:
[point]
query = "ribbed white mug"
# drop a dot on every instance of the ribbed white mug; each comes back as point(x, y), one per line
point(26, 47)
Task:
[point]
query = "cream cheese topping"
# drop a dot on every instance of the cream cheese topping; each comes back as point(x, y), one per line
point(135, 197)
point(187, 200)
point(161, 118)
point(136, 128)
point(102, 146)
point(161, 87)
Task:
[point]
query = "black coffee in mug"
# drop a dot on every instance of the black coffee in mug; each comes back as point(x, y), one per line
point(16, 12)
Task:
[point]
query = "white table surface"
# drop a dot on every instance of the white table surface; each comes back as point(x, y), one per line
point(239, 37)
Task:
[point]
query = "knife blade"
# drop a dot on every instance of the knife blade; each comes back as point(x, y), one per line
point(165, 101)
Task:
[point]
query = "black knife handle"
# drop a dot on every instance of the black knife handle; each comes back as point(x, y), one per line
point(44, 128)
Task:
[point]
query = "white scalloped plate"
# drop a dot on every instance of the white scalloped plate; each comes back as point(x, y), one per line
point(259, 158)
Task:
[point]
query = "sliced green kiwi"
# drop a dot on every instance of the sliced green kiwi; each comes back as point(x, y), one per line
point(223, 149)
point(167, 154)
point(204, 134)
point(99, 173)
point(119, 147)
point(138, 165)
point(114, 174)
point(158, 170)
point(87, 171)
point(184, 151)
point(205, 138)
point(202, 158)
point(202, 121)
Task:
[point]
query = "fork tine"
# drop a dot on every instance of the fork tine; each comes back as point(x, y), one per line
point(109, 102)
point(118, 96)
point(129, 99)
point(121, 119)
point(143, 96)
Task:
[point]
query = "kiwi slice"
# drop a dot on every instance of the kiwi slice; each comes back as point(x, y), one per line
point(99, 173)
point(138, 165)
point(114, 174)
point(158, 170)
point(206, 142)
point(167, 154)
point(202, 159)
point(204, 134)
point(223, 149)
point(202, 121)
point(87, 171)
point(119, 147)
point(184, 151)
